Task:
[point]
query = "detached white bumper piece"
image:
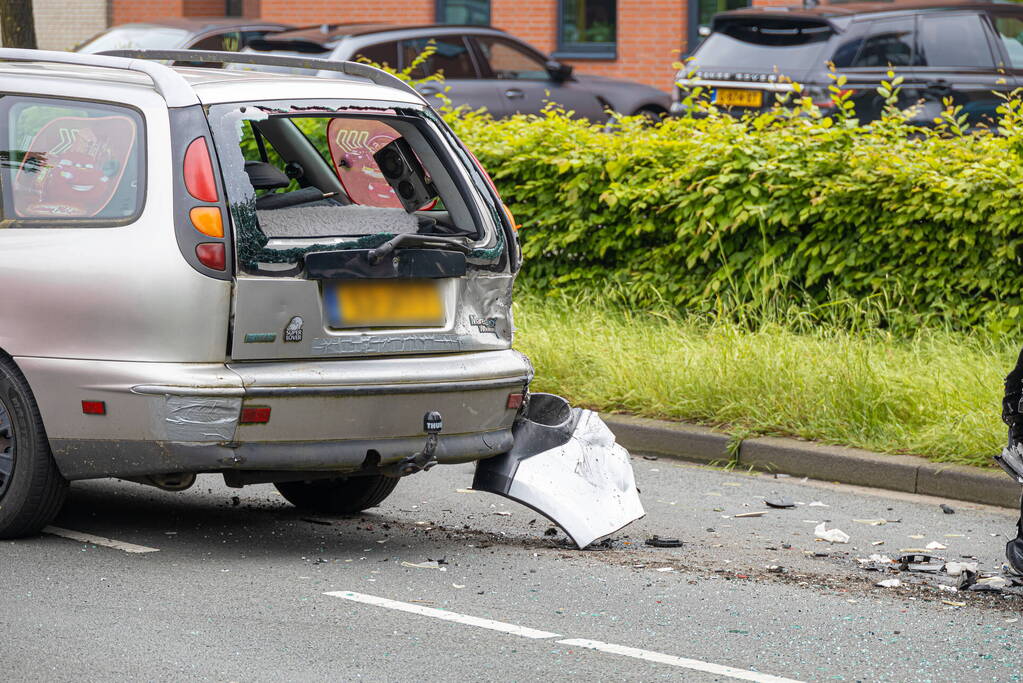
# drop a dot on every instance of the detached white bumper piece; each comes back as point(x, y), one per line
point(566, 465)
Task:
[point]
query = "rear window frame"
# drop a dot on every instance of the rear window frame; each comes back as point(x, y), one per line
point(55, 222)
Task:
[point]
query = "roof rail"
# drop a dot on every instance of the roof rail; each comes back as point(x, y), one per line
point(356, 69)
point(169, 83)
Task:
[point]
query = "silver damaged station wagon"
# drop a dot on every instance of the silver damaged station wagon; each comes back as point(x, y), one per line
point(281, 279)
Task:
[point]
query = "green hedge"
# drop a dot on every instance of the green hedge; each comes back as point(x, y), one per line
point(711, 212)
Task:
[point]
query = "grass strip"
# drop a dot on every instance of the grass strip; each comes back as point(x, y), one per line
point(934, 393)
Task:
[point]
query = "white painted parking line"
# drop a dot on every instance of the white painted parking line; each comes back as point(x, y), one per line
point(610, 648)
point(99, 540)
point(661, 658)
point(444, 614)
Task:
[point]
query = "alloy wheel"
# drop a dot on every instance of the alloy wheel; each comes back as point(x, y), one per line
point(7, 448)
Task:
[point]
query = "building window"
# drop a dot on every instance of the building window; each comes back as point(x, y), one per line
point(587, 28)
point(702, 12)
point(471, 12)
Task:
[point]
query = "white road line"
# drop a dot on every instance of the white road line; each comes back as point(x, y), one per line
point(443, 614)
point(99, 540)
point(648, 655)
point(661, 658)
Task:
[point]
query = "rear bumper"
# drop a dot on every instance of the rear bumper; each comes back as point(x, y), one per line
point(325, 415)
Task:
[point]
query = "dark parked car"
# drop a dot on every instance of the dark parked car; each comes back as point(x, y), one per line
point(482, 67)
point(964, 50)
point(229, 34)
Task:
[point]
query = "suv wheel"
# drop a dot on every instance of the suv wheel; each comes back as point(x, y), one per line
point(338, 496)
point(31, 488)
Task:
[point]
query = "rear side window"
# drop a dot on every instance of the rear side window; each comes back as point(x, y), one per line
point(70, 162)
point(783, 45)
point(1010, 32)
point(956, 40)
point(385, 54)
point(888, 42)
point(452, 58)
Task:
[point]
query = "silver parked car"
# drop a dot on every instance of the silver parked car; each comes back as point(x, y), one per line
point(277, 278)
point(482, 67)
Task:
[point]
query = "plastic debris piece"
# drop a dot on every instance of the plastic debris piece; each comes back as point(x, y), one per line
point(665, 569)
point(920, 562)
point(966, 579)
point(465, 490)
point(431, 564)
point(456, 585)
point(916, 537)
point(934, 545)
point(889, 583)
point(659, 542)
point(551, 531)
point(830, 535)
point(947, 509)
point(947, 588)
point(780, 502)
point(992, 582)
point(877, 543)
point(650, 457)
point(957, 568)
point(953, 603)
point(758, 513)
point(818, 504)
point(871, 522)
point(775, 569)
point(502, 513)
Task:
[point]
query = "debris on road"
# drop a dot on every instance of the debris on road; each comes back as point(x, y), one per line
point(430, 564)
point(934, 545)
point(758, 513)
point(818, 504)
point(830, 535)
point(957, 568)
point(871, 522)
point(889, 583)
point(780, 502)
point(947, 509)
point(921, 563)
point(659, 542)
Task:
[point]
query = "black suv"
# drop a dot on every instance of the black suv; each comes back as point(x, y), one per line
point(964, 50)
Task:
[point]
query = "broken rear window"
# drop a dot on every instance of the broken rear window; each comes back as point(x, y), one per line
point(331, 176)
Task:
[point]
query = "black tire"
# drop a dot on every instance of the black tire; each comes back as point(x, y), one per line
point(31, 488)
point(338, 496)
point(652, 115)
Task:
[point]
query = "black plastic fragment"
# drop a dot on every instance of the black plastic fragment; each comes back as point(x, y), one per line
point(660, 542)
point(780, 502)
point(947, 509)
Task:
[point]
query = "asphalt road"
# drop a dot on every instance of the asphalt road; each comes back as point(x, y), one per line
point(238, 590)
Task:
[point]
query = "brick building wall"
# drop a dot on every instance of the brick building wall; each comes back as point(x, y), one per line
point(346, 11)
point(63, 24)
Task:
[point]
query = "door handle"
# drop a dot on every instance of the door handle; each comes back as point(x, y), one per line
point(514, 94)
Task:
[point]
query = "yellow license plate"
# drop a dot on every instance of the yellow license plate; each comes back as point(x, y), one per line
point(384, 303)
point(729, 97)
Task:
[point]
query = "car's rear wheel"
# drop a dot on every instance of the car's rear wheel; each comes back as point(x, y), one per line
point(31, 488)
point(338, 496)
point(652, 115)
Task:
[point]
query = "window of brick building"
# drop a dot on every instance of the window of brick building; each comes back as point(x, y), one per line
point(587, 28)
point(472, 12)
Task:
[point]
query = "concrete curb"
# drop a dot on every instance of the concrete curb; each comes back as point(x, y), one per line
point(805, 459)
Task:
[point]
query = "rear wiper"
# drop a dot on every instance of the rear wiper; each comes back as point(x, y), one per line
point(377, 255)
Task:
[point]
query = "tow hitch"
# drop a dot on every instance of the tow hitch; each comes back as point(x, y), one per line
point(566, 465)
point(425, 459)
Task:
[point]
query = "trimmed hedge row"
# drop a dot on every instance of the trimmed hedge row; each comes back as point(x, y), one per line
point(713, 212)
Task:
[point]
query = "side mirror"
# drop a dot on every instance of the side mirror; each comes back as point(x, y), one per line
point(559, 72)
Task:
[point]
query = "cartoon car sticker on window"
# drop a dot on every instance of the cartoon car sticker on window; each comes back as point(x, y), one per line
point(353, 142)
point(73, 167)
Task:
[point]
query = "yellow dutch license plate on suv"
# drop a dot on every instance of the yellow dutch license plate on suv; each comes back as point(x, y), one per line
point(731, 97)
point(384, 303)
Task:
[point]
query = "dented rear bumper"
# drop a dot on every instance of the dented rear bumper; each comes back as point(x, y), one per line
point(325, 415)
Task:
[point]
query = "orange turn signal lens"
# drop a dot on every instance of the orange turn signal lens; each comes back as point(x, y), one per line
point(208, 220)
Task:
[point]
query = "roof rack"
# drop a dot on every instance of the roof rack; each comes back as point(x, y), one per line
point(356, 69)
point(169, 83)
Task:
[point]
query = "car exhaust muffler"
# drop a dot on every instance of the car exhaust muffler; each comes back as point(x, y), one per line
point(565, 465)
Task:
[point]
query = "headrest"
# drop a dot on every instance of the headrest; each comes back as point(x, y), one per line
point(264, 176)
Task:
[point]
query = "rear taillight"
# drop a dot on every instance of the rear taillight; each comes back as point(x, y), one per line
point(213, 255)
point(514, 401)
point(200, 181)
point(208, 220)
